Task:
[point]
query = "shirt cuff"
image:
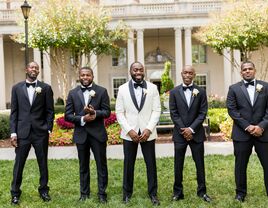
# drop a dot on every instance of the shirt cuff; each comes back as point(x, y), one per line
point(191, 130)
point(13, 135)
point(82, 122)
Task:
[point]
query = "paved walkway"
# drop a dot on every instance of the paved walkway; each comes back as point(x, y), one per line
point(116, 151)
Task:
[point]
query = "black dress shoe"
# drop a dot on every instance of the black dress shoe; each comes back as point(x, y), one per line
point(126, 199)
point(206, 198)
point(103, 199)
point(240, 198)
point(45, 197)
point(177, 197)
point(15, 200)
point(83, 198)
point(155, 201)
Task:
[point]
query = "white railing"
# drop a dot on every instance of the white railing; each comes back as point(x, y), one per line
point(153, 9)
point(186, 7)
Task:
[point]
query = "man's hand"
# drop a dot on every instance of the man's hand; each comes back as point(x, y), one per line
point(134, 136)
point(250, 129)
point(187, 133)
point(14, 141)
point(89, 117)
point(257, 132)
point(145, 135)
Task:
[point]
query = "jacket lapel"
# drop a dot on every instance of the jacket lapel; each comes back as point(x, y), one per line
point(132, 94)
point(256, 94)
point(37, 85)
point(143, 98)
point(182, 95)
point(80, 95)
point(24, 88)
point(244, 90)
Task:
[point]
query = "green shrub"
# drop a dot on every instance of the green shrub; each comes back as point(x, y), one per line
point(226, 128)
point(4, 126)
point(112, 104)
point(59, 101)
point(59, 109)
point(216, 117)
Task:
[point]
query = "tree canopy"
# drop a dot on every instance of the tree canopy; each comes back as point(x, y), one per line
point(241, 25)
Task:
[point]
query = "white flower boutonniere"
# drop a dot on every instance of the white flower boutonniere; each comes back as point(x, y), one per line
point(144, 91)
point(195, 92)
point(259, 87)
point(38, 90)
point(92, 93)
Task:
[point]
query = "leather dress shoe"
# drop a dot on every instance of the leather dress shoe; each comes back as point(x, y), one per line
point(126, 199)
point(155, 201)
point(45, 197)
point(103, 199)
point(15, 200)
point(206, 198)
point(239, 198)
point(83, 197)
point(177, 197)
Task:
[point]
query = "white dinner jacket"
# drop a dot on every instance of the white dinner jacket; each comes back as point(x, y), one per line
point(130, 116)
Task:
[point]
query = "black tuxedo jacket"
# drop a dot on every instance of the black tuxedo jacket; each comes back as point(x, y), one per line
point(37, 117)
point(75, 110)
point(243, 113)
point(184, 116)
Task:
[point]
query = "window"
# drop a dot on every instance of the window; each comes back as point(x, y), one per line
point(121, 59)
point(116, 83)
point(199, 54)
point(201, 80)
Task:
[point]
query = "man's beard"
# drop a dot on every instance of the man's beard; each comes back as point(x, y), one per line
point(137, 80)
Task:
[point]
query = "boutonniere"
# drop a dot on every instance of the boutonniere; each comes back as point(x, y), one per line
point(92, 93)
point(259, 87)
point(38, 90)
point(144, 91)
point(195, 92)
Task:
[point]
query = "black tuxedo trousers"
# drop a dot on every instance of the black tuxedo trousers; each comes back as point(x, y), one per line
point(242, 152)
point(99, 150)
point(130, 153)
point(40, 145)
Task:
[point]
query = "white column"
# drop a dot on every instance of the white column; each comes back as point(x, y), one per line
point(47, 68)
point(236, 69)
point(130, 48)
point(2, 76)
point(227, 70)
point(178, 55)
point(188, 45)
point(94, 66)
point(140, 46)
point(37, 59)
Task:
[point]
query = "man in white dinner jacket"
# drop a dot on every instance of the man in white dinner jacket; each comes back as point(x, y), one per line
point(138, 110)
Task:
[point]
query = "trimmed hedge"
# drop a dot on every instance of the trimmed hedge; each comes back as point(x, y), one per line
point(4, 126)
point(216, 117)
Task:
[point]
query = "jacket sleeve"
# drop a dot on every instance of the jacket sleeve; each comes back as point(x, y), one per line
point(70, 112)
point(174, 113)
point(49, 108)
point(14, 111)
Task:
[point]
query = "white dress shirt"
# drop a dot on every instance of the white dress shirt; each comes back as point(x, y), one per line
point(86, 99)
point(31, 91)
point(251, 91)
point(138, 93)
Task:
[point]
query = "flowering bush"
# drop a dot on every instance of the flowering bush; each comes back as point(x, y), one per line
point(111, 120)
point(64, 124)
point(164, 99)
point(214, 101)
point(226, 128)
point(113, 132)
point(62, 132)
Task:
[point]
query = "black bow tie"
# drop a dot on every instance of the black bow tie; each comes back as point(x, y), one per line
point(138, 85)
point(30, 84)
point(187, 87)
point(85, 88)
point(249, 83)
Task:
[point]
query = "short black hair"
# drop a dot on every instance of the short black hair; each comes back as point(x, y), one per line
point(247, 62)
point(135, 62)
point(86, 68)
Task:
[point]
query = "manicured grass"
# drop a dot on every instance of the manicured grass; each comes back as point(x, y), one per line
point(64, 184)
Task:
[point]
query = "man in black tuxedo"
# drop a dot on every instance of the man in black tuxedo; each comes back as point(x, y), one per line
point(31, 121)
point(87, 106)
point(247, 103)
point(188, 109)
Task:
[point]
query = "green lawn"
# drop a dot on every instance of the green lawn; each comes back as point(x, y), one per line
point(64, 184)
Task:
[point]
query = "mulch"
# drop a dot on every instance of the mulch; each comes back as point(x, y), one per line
point(162, 138)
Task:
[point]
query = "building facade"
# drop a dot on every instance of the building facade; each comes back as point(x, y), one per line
point(160, 30)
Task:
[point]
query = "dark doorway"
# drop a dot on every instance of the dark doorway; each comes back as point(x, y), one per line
point(158, 84)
